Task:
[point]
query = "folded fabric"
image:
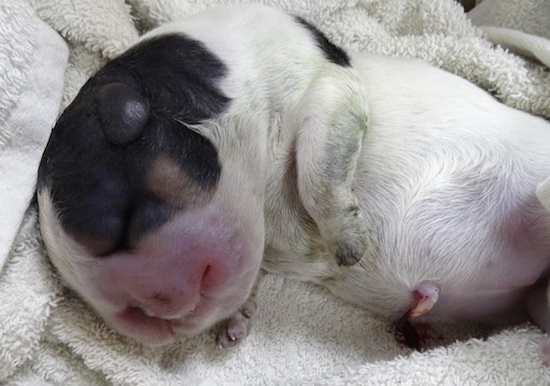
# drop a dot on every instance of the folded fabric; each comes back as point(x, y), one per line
point(33, 58)
point(525, 31)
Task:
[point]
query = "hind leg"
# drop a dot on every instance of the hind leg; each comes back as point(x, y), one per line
point(538, 306)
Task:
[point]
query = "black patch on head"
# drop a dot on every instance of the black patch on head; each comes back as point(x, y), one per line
point(133, 110)
point(332, 52)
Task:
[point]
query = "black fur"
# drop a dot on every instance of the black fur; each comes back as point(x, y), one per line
point(123, 112)
point(97, 184)
point(332, 52)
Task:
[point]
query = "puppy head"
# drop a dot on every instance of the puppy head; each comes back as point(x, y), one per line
point(143, 209)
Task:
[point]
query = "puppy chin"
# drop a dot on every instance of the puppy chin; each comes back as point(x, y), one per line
point(153, 331)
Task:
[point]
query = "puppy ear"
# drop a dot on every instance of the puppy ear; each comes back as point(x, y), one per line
point(123, 112)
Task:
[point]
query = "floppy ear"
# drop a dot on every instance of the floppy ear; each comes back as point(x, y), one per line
point(123, 112)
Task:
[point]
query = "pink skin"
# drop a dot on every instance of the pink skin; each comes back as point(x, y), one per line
point(499, 287)
point(425, 295)
point(193, 272)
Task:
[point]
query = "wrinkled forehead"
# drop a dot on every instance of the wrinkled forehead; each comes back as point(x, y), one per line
point(122, 157)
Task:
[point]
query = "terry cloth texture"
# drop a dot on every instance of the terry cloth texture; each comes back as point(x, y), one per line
point(302, 333)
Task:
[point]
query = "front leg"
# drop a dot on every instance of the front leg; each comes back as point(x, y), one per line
point(238, 326)
point(332, 125)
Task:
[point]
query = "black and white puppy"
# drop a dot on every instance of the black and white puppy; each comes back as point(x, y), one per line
point(154, 184)
point(242, 138)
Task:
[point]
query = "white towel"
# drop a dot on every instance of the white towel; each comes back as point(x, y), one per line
point(524, 29)
point(32, 62)
point(33, 58)
point(302, 333)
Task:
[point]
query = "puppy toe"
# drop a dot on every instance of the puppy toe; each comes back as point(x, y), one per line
point(237, 327)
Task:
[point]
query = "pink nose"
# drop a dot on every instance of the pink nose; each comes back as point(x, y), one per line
point(194, 258)
point(173, 296)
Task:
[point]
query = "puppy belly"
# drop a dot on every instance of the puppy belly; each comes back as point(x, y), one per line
point(497, 306)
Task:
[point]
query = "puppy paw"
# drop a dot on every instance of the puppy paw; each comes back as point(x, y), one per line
point(237, 327)
point(349, 253)
point(352, 244)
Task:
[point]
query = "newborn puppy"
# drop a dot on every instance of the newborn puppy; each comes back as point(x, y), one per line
point(152, 188)
point(242, 136)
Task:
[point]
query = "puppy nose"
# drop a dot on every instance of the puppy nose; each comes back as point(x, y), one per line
point(178, 298)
